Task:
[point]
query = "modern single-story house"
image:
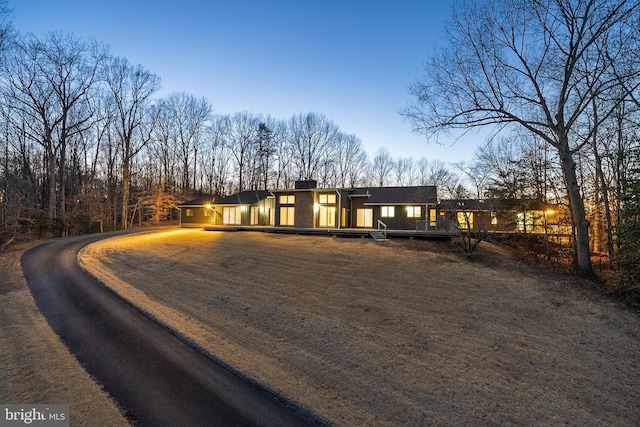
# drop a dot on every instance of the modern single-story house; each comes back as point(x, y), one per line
point(305, 206)
point(396, 208)
point(520, 216)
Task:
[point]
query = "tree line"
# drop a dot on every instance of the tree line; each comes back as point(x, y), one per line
point(88, 145)
point(563, 74)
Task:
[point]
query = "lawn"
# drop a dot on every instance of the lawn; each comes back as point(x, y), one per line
point(404, 332)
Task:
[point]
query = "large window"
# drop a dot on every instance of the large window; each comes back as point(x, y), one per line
point(465, 219)
point(287, 215)
point(287, 199)
point(526, 221)
point(287, 212)
point(388, 211)
point(326, 209)
point(327, 216)
point(232, 215)
point(327, 199)
point(364, 218)
point(414, 211)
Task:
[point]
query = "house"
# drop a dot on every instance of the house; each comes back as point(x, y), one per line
point(519, 216)
point(245, 208)
point(196, 212)
point(308, 207)
point(250, 207)
point(397, 208)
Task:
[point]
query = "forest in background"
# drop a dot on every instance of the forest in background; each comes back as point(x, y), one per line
point(87, 145)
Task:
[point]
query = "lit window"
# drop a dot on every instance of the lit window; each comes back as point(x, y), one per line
point(465, 219)
point(327, 216)
point(189, 212)
point(364, 218)
point(287, 215)
point(494, 218)
point(432, 217)
point(232, 215)
point(388, 212)
point(414, 211)
point(327, 199)
point(287, 199)
point(525, 221)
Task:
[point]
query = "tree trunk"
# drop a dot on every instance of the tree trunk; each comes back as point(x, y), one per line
point(63, 183)
point(576, 205)
point(605, 200)
point(126, 182)
point(51, 174)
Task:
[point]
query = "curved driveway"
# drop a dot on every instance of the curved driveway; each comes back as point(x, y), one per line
point(157, 378)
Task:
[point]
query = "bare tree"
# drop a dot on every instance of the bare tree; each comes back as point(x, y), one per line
point(216, 157)
point(381, 167)
point(48, 82)
point(434, 172)
point(525, 63)
point(312, 135)
point(283, 156)
point(241, 136)
point(187, 116)
point(405, 171)
point(131, 88)
point(351, 161)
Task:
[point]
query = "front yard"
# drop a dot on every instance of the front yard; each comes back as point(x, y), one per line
point(396, 333)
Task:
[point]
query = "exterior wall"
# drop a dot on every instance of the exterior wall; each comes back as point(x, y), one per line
point(400, 220)
point(304, 217)
point(200, 216)
point(532, 221)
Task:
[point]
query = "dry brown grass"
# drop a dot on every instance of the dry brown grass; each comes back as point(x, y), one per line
point(35, 367)
point(400, 333)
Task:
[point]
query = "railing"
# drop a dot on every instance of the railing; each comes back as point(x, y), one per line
point(382, 227)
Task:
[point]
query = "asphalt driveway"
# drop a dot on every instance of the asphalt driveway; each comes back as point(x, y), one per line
point(157, 378)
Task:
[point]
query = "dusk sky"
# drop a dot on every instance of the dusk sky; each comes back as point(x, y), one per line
point(349, 60)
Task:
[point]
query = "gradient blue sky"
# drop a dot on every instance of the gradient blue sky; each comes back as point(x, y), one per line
point(349, 60)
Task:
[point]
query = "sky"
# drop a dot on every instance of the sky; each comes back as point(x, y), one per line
point(351, 60)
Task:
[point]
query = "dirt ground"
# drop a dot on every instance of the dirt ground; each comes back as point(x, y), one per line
point(396, 333)
point(35, 367)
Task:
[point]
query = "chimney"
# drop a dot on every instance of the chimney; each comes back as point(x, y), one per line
point(305, 184)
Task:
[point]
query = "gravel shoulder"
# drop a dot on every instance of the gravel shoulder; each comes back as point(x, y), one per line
point(396, 333)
